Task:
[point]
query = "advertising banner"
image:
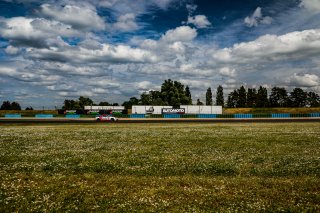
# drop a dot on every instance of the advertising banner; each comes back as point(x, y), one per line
point(173, 111)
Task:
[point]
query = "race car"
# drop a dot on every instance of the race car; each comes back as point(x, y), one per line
point(106, 118)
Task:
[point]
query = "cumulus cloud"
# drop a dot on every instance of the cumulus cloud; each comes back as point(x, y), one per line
point(11, 50)
point(227, 71)
point(183, 33)
point(33, 32)
point(126, 23)
point(200, 21)
point(290, 46)
point(311, 5)
point(107, 53)
point(257, 18)
point(304, 80)
point(74, 15)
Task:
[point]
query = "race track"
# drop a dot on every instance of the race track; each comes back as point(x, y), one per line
point(4, 121)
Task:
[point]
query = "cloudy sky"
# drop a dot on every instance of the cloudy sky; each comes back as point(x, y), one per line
point(111, 50)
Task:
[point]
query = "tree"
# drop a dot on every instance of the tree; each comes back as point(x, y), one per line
point(83, 101)
point(251, 97)
point(188, 96)
point(219, 96)
point(70, 105)
point(209, 97)
point(174, 94)
point(15, 106)
point(104, 103)
point(262, 97)
point(233, 99)
point(278, 97)
point(145, 99)
point(313, 99)
point(242, 97)
point(199, 103)
point(132, 101)
point(6, 105)
point(298, 98)
point(29, 108)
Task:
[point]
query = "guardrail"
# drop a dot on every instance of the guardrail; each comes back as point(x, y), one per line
point(44, 116)
point(211, 116)
point(72, 116)
point(12, 115)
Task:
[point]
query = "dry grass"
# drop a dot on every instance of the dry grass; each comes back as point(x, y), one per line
point(160, 167)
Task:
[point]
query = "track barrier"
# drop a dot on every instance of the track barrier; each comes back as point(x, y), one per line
point(207, 116)
point(72, 116)
point(44, 116)
point(281, 115)
point(12, 115)
point(315, 115)
point(171, 116)
point(137, 116)
point(243, 116)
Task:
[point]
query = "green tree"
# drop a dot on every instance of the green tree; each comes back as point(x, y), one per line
point(70, 105)
point(209, 97)
point(233, 99)
point(313, 99)
point(84, 101)
point(104, 103)
point(242, 97)
point(278, 97)
point(6, 105)
point(219, 96)
point(188, 100)
point(298, 98)
point(251, 97)
point(132, 101)
point(173, 93)
point(262, 97)
point(199, 103)
point(15, 106)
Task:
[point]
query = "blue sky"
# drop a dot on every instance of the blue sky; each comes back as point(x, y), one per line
point(111, 50)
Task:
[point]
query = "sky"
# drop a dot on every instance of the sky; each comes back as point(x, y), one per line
point(111, 50)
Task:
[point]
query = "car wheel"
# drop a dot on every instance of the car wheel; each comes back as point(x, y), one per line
point(112, 119)
point(98, 119)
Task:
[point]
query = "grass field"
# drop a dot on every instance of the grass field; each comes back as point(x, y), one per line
point(160, 167)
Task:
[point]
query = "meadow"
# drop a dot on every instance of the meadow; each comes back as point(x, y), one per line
point(182, 167)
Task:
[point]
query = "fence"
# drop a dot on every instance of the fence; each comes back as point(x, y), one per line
point(72, 116)
point(44, 116)
point(12, 115)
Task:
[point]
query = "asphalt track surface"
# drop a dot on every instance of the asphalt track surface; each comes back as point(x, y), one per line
point(4, 121)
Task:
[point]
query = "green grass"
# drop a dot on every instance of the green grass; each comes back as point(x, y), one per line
point(160, 167)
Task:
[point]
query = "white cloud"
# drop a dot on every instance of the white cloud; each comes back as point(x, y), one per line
point(144, 85)
point(76, 16)
point(11, 50)
point(305, 80)
point(267, 48)
point(311, 5)
point(256, 18)
point(227, 71)
point(34, 32)
point(107, 53)
point(183, 33)
point(200, 21)
point(126, 23)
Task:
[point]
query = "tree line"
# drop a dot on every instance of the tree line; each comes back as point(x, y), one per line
point(279, 97)
point(174, 93)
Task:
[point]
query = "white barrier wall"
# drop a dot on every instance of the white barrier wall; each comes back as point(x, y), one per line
point(103, 107)
point(195, 109)
point(148, 109)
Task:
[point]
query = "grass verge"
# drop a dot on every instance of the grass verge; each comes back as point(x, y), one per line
point(160, 167)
